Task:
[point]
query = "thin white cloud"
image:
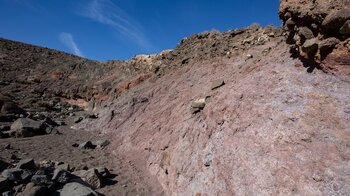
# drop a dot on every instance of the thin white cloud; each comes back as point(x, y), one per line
point(108, 13)
point(68, 41)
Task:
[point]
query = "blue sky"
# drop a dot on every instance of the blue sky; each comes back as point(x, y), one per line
point(119, 29)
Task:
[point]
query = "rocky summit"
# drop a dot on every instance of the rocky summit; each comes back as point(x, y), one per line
point(251, 111)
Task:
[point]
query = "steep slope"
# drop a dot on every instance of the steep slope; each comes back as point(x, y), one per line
point(272, 129)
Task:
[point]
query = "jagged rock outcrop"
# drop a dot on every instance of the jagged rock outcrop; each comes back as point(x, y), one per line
point(319, 31)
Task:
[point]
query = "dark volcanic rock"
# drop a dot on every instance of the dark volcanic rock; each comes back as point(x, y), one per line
point(5, 184)
point(61, 176)
point(12, 174)
point(26, 164)
point(87, 145)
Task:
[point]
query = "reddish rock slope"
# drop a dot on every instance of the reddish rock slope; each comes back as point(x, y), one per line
point(272, 129)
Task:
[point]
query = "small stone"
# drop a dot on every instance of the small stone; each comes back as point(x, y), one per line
point(8, 146)
point(78, 119)
point(102, 143)
point(104, 172)
point(198, 103)
point(345, 29)
point(87, 145)
point(26, 164)
point(217, 83)
point(249, 56)
point(75, 188)
point(290, 23)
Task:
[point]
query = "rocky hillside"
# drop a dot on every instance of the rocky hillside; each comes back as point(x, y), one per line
point(253, 111)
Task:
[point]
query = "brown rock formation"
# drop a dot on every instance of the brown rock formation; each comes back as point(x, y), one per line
point(319, 28)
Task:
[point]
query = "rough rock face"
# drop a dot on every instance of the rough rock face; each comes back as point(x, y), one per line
point(272, 129)
point(319, 31)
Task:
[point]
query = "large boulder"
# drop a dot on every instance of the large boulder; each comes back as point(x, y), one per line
point(26, 127)
point(336, 19)
point(77, 189)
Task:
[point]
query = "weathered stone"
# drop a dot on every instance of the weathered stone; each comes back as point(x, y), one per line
point(310, 46)
point(87, 145)
point(33, 190)
point(26, 164)
point(217, 83)
point(290, 23)
point(327, 45)
point(78, 189)
point(91, 177)
point(12, 174)
point(305, 33)
point(198, 103)
point(26, 127)
point(102, 143)
point(336, 19)
point(61, 176)
point(345, 29)
point(51, 130)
